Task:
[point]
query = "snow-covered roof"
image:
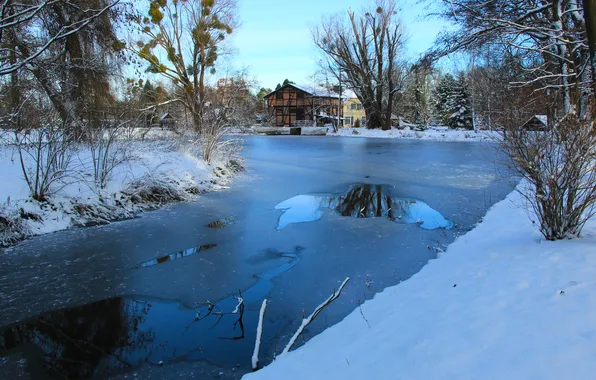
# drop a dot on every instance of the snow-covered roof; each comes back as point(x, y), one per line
point(542, 118)
point(349, 94)
point(317, 91)
point(165, 116)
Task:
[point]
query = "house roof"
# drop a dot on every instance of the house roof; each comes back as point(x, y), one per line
point(542, 119)
point(349, 94)
point(165, 116)
point(315, 91)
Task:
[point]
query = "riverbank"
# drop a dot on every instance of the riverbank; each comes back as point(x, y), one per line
point(432, 134)
point(152, 173)
point(500, 303)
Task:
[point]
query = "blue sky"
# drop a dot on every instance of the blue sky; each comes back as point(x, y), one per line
point(275, 43)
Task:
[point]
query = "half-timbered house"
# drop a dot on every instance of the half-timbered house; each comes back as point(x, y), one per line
point(293, 105)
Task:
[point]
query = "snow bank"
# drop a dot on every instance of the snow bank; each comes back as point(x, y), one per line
point(437, 134)
point(501, 303)
point(158, 172)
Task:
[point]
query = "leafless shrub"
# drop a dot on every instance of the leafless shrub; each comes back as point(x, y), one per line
point(215, 148)
point(108, 151)
point(560, 177)
point(45, 156)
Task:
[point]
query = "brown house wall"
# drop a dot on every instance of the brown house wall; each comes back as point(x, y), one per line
point(290, 104)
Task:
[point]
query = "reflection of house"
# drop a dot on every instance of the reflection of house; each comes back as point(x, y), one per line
point(294, 105)
point(353, 110)
point(536, 123)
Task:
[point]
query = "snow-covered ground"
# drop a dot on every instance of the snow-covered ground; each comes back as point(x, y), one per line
point(500, 303)
point(436, 134)
point(153, 169)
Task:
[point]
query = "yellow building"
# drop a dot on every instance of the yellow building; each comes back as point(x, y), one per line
point(353, 111)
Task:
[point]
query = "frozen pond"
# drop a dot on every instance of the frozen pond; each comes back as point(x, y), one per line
point(153, 297)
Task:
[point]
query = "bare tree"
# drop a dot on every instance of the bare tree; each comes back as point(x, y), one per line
point(65, 47)
point(590, 16)
point(550, 34)
point(183, 40)
point(365, 47)
point(550, 44)
point(15, 17)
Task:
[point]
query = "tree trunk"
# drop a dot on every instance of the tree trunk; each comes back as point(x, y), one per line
point(374, 119)
point(14, 92)
point(590, 17)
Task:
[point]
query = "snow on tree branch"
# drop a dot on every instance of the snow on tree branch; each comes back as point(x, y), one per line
point(310, 318)
point(255, 355)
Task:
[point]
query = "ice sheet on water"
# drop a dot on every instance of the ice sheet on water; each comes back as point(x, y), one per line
point(361, 201)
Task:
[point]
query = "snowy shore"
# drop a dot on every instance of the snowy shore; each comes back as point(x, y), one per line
point(434, 134)
point(156, 172)
point(500, 303)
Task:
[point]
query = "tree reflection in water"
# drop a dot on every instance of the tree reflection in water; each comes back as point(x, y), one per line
point(82, 342)
point(119, 334)
point(361, 201)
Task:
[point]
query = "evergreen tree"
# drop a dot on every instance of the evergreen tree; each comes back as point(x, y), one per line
point(461, 115)
point(263, 92)
point(452, 103)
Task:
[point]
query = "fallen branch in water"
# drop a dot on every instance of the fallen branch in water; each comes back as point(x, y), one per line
point(255, 355)
point(239, 310)
point(310, 318)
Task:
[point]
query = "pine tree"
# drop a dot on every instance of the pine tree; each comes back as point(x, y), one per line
point(442, 95)
point(452, 103)
point(460, 109)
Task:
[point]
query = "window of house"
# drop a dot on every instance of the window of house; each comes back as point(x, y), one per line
point(279, 95)
point(299, 95)
point(359, 106)
point(353, 106)
point(349, 120)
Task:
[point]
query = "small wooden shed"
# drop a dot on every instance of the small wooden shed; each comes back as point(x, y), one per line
point(166, 121)
point(536, 123)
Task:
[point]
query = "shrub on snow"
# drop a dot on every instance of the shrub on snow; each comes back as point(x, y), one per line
point(558, 165)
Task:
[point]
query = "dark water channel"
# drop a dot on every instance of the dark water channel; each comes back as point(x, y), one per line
point(158, 297)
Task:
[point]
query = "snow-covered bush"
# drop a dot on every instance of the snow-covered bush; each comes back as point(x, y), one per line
point(158, 189)
point(558, 165)
point(218, 150)
point(12, 227)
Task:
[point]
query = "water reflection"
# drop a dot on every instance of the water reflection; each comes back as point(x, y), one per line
point(119, 334)
point(83, 342)
point(361, 201)
point(176, 256)
point(221, 223)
